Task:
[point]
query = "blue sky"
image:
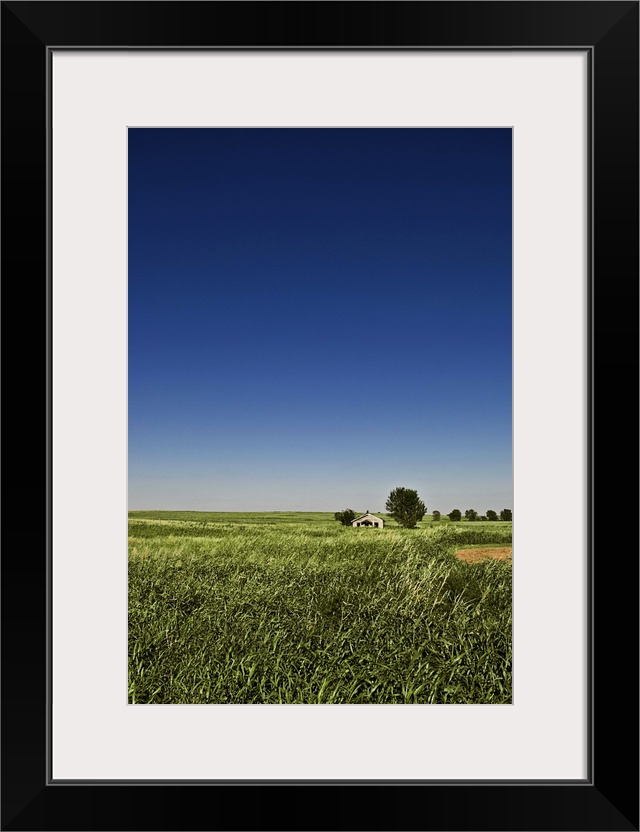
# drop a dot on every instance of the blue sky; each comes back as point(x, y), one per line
point(317, 316)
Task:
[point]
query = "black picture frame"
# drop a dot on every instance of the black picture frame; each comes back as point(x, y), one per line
point(608, 798)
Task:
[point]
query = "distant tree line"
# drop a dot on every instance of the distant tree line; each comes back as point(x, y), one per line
point(472, 515)
point(407, 509)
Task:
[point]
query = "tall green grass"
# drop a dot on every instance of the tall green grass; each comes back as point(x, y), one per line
point(235, 610)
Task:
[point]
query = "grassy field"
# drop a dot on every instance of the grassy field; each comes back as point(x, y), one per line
point(285, 607)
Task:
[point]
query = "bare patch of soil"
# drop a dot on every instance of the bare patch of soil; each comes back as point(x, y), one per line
point(476, 555)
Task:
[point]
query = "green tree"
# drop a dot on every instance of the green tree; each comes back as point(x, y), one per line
point(406, 508)
point(455, 515)
point(505, 514)
point(491, 514)
point(435, 516)
point(471, 514)
point(345, 517)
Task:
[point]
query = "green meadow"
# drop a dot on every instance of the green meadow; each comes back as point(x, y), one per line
point(286, 607)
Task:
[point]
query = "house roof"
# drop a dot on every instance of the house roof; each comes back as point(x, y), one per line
point(363, 516)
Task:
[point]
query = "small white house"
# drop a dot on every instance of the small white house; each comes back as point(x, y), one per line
point(368, 520)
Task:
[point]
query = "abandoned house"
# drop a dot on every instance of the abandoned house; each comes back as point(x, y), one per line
point(368, 520)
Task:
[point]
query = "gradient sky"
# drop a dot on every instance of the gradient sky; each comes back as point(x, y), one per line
point(317, 316)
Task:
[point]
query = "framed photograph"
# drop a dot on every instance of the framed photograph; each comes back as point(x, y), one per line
point(285, 193)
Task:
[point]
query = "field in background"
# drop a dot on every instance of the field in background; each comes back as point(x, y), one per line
point(286, 607)
point(274, 517)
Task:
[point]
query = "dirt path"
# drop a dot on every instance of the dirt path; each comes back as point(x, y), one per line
point(476, 555)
